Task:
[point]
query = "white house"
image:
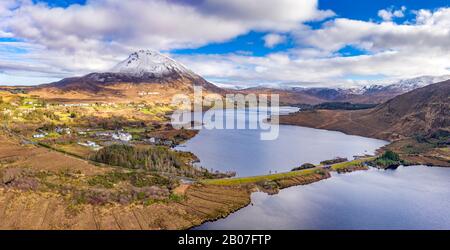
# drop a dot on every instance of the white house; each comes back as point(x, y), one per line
point(60, 130)
point(122, 136)
point(38, 135)
point(90, 144)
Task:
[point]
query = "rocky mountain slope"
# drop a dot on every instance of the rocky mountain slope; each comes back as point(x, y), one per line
point(369, 94)
point(421, 111)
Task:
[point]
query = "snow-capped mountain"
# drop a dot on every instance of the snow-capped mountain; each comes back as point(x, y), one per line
point(143, 67)
point(144, 62)
point(404, 85)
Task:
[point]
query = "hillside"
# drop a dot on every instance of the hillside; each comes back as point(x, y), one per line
point(367, 94)
point(421, 111)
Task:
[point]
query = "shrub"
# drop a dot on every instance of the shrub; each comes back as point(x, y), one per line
point(176, 198)
point(386, 160)
point(390, 155)
point(136, 179)
point(304, 166)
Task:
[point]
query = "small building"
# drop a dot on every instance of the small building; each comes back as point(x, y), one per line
point(60, 130)
point(122, 136)
point(152, 140)
point(39, 135)
point(105, 134)
point(90, 144)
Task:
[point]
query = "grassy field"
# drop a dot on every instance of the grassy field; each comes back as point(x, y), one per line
point(343, 165)
point(260, 178)
point(280, 176)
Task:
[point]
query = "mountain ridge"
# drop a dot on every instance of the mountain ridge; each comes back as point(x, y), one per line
point(421, 111)
point(142, 72)
point(150, 71)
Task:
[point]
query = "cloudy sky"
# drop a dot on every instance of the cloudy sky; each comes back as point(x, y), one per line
point(240, 42)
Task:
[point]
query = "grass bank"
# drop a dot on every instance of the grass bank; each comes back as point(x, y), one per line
point(261, 178)
point(349, 164)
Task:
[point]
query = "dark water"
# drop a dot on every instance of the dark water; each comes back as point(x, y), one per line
point(415, 197)
point(241, 150)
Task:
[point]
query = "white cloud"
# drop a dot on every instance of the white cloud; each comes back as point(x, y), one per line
point(271, 40)
point(156, 23)
point(84, 38)
point(428, 32)
point(392, 51)
point(332, 70)
point(282, 15)
point(76, 40)
point(388, 14)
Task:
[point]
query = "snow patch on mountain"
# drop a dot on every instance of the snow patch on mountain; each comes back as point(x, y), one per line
point(144, 62)
point(419, 82)
point(404, 85)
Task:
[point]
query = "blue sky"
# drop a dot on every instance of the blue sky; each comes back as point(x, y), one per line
point(302, 42)
point(360, 10)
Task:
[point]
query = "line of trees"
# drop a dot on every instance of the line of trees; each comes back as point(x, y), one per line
point(152, 158)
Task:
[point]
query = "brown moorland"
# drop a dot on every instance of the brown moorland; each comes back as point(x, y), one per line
point(403, 120)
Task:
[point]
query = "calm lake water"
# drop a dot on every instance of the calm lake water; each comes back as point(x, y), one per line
point(242, 151)
point(415, 197)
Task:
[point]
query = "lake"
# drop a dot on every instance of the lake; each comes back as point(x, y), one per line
point(415, 197)
point(242, 151)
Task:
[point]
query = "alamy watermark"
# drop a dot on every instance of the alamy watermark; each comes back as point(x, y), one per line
point(235, 111)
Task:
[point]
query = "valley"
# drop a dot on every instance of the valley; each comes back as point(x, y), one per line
point(417, 123)
point(99, 151)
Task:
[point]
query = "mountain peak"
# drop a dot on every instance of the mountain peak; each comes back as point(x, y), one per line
point(151, 62)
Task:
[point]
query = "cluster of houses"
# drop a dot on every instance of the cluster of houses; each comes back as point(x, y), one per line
point(109, 104)
point(74, 105)
point(143, 93)
point(40, 135)
point(59, 130)
point(158, 141)
point(122, 136)
point(118, 135)
point(90, 144)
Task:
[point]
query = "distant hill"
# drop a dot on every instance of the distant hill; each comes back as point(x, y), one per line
point(148, 75)
point(421, 111)
point(370, 94)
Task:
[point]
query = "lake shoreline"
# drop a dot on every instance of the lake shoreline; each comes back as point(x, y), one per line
point(272, 184)
point(431, 156)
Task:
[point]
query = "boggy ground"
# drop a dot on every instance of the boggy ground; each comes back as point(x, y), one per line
point(35, 210)
point(44, 189)
point(417, 123)
point(431, 149)
point(40, 189)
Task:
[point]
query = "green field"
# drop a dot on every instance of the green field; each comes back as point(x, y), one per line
point(343, 165)
point(260, 178)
